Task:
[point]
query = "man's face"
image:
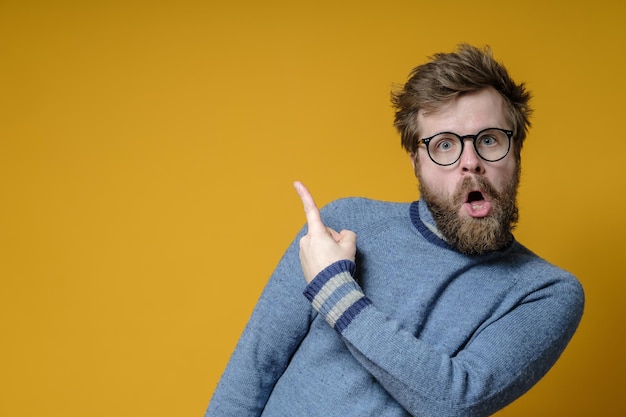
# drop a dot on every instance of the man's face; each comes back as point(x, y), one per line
point(472, 200)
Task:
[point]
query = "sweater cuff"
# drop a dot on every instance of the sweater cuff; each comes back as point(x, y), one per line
point(336, 295)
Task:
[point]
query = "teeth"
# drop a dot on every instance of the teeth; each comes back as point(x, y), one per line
point(477, 206)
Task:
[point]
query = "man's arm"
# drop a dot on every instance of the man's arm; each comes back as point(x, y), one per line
point(497, 366)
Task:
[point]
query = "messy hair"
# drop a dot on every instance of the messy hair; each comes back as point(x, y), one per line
point(450, 75)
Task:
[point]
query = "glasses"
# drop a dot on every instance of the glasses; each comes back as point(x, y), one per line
point(491, 144)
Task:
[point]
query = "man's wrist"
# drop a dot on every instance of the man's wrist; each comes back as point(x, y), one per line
point(336, 295)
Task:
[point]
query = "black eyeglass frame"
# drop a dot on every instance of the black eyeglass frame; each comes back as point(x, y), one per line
point(426, 141)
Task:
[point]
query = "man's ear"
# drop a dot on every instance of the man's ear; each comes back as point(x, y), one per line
point(413, 155)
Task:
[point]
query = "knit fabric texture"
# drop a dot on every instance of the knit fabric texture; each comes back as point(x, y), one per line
point(413, 328)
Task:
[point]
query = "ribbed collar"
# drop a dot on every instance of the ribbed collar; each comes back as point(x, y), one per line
point(423, 220)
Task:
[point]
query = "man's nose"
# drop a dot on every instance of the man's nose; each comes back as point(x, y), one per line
point(470, 161)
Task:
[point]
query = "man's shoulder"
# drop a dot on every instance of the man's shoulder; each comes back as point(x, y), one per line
point(360, 210)
point(535, 268)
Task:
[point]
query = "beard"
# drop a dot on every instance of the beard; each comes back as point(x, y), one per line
point(469, 235)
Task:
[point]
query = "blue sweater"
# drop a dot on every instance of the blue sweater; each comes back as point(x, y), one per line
point(413, 329)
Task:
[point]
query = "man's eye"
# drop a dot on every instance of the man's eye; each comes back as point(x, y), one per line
point(488, 141)
point(444, 145)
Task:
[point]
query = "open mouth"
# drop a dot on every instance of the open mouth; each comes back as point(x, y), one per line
point(477, 204)
point(475, 197)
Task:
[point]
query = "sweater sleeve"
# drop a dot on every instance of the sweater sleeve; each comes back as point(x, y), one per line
point(497, 365)
point(279, 322)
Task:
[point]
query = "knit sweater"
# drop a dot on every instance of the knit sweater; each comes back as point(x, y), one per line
point(413, 328)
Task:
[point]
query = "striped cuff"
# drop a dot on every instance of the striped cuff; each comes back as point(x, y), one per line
point(336, 295)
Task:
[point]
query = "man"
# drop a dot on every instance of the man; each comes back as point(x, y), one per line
point(437, 310)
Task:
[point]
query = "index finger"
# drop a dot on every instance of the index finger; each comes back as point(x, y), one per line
point(312, 213)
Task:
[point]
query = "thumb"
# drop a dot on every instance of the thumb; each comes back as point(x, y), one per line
point(347, 243)
point(333, 233)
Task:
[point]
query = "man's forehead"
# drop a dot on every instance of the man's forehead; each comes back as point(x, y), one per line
point(476, 110)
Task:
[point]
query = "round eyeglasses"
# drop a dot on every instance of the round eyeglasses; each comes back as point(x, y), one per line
point(491, 144)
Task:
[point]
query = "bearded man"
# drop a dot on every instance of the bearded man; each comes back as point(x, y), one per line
point(438, 311)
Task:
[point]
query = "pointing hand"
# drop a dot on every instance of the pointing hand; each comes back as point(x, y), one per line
point(321, 246)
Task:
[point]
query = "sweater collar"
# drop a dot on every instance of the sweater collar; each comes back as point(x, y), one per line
point(423, 220)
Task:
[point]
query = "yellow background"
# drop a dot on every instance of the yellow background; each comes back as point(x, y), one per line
point(147, 151)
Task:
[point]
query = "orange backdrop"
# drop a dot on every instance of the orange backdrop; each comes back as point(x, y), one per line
point(147, 151)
